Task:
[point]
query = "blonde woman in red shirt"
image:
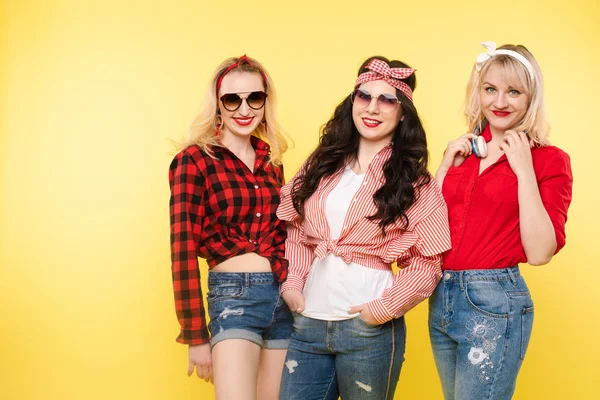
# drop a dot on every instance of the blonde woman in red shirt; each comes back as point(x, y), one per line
point(362, 201)
point(508, 191)
point(225, 185)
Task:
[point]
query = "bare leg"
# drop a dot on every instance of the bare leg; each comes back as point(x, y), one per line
point(269, 375)
point(235, 369)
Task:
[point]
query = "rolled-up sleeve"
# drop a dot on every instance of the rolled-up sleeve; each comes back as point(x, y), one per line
point(420, 268)
point(556, 186)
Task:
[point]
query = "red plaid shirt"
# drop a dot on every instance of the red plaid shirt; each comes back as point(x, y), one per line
point(220, 209)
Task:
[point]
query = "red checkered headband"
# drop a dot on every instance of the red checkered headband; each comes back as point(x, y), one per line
point(242, 59)
point(379, 70)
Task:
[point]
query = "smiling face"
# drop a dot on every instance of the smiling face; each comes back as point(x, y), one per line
point(503, 100)
point(244, 120)
point(373, 124)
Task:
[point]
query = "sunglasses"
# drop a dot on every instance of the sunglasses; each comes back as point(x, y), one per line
point(385, 102)
point(233, 101)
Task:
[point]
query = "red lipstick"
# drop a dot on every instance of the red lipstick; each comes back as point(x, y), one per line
point(501, 113)
point(371, 123)
point(243, 121)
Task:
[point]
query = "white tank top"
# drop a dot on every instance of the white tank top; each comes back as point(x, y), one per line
point(333, 286)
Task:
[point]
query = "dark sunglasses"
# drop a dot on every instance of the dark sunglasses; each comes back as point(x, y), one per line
point(385, 102)
point(233, 101)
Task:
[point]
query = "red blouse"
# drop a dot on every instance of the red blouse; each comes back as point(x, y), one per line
point(484, 209)
point(220, 209)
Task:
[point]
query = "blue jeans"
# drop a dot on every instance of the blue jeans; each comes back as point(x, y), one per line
point(480, 323)
point(248, 306)
point(348, 358)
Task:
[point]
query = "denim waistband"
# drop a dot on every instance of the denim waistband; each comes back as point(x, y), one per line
point(504, 274)
point(257, 278)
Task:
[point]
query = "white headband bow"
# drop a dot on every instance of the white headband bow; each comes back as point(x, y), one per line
point(491, 52)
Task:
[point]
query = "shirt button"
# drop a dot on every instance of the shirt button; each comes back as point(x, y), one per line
point(447, 276)
point(258, 214)
point(255, 186)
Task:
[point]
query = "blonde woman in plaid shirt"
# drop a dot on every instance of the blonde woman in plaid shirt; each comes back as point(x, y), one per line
point(225, 187)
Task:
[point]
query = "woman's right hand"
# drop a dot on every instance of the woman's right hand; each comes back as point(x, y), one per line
point(294, 299)
point(456, 153)
point(200, 357)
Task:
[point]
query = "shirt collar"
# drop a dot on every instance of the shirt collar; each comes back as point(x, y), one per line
point(261, 148)
point(487, 133)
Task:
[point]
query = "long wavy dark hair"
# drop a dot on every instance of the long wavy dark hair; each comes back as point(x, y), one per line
point(405, 171)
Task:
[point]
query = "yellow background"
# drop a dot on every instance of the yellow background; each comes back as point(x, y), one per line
point(91, 91)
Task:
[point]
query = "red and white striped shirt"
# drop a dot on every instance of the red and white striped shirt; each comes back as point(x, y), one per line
point(417, 250)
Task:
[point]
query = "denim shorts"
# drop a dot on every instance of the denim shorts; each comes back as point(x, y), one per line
point(248, 306)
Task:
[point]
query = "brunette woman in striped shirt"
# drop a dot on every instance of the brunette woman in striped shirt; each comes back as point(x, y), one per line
point(507, 201)
point(362, 201)
point(225, 187)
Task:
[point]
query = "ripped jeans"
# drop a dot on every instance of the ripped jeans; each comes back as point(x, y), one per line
point(480, 322)
point(348, 358)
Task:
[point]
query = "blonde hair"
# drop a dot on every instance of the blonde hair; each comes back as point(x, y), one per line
point(535, 121)
point(203, 130)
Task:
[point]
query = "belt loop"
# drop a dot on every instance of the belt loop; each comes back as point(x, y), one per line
point(512, 276)
point(460, 279)
point(247, 279)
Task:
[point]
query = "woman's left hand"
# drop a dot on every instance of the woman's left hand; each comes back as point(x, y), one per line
point(517, 148)
point(365, 313)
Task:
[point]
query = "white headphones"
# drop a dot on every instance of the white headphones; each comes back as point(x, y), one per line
point(478, 142)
